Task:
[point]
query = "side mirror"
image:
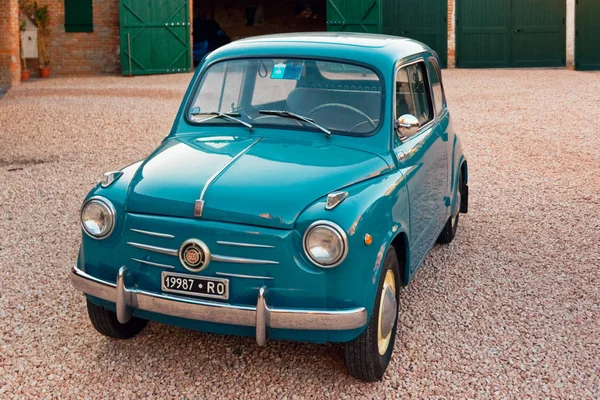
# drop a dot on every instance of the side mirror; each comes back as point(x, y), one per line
point(407, 125)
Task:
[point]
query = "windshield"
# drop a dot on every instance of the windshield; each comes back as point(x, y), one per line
point(301, 93)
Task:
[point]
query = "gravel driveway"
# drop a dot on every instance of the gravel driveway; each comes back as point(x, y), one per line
point(510, 309)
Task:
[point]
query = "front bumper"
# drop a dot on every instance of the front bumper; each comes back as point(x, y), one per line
point(261, 317)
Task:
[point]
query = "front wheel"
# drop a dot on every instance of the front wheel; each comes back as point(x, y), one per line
point(368, 356)
point(105, 322)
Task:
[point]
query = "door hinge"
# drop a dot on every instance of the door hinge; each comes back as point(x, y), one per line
point(564, 21)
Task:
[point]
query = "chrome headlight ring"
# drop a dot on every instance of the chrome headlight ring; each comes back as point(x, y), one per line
point(108, 209)
point(337, 233)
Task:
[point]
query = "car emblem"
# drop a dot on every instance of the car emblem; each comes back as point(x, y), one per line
point(194, 255)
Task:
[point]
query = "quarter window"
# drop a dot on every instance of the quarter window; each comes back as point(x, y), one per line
point(412, 93)
point(436, 87)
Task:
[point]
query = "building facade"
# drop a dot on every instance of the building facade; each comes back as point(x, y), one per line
point(112, 36)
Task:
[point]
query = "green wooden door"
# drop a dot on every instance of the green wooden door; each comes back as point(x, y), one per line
point(587, 44)
point(422, 20)
point(510, 33)
point(354, 16)
point(155, 36)
point(538, 33)
point(482, 33)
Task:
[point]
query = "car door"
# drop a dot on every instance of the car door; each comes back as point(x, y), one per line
point(422, 156)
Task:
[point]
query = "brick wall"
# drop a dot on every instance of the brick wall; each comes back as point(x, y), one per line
point(79, 53)
point(451, 34)
point(10, 66)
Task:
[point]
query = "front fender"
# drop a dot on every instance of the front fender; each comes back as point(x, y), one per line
point(378, 207)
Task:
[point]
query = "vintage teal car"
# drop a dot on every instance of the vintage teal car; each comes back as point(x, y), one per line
point(305, 179)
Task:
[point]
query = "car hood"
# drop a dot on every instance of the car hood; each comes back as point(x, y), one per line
point(249, 180)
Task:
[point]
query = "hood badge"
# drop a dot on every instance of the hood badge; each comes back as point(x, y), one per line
point(199, 204)
point(198, 207)
point(194, 255)
point(334, 199)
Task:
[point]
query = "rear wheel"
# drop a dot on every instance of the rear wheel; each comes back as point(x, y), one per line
point(451, 227)
point(368, 356)
point(105, 322)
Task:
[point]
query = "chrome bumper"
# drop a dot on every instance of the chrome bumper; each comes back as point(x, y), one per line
point(260, 317)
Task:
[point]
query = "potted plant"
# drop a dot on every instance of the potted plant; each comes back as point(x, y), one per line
point(25, 74)
point(40, 15)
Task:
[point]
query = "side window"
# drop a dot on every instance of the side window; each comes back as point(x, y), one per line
point(435, 76)
point(412, 93)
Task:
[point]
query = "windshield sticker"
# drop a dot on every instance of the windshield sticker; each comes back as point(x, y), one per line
point(289, 71)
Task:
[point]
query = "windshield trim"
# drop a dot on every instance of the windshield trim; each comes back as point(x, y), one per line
point(200, 77)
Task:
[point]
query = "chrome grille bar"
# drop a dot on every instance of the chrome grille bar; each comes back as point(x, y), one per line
point(149, 233)
point(153, 263)
point(262, 246)
point(213, 257)
point(243, 276)
point(240, 260)
point(161, 250)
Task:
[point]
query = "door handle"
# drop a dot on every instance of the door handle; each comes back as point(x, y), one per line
point(518, 30)
point(404, 32)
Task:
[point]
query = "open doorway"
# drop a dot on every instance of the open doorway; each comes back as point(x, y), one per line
point(218, 22)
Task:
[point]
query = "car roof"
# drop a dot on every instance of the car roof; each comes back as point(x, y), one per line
point(366, 48)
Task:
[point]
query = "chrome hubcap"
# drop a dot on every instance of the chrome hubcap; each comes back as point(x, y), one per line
point(455, 215)
point(388, 312)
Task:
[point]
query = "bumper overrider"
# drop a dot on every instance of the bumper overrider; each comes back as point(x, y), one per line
point(261, 317)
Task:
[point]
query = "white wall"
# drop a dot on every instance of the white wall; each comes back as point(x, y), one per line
point(571, 33)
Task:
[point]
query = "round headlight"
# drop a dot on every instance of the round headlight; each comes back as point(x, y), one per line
point(98, 217)
point(325, 244)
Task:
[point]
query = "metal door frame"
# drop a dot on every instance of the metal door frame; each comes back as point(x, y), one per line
point(510, 35)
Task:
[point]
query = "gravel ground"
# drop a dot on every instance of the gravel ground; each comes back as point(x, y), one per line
point(509, 310)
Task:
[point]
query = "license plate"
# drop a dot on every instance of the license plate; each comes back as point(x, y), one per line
point(192, 285)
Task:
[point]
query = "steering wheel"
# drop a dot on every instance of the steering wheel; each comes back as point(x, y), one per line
point(361, 124)
point(328, 110)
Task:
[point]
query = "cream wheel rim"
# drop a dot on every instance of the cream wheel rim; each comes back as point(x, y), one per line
point(388, 312)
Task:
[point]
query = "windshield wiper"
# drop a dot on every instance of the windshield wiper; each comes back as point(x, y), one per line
point(230, 116)
point(287, 114)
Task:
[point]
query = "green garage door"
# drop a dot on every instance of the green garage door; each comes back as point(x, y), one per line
point(510, 33)
point(422, 20)
point(354, 16)
point(587, 45)
point(155, 36)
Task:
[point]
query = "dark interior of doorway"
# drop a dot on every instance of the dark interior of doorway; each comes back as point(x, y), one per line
point(217, 22)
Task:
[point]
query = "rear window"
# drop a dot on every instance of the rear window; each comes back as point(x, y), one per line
point(337, 71)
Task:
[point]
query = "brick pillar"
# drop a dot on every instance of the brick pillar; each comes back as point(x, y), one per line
point(571, 34)
point(10, 64)
point(451, 34)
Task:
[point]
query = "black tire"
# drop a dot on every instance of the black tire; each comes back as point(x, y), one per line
point(105, 322)
point(449, 232)
point(362, 356)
